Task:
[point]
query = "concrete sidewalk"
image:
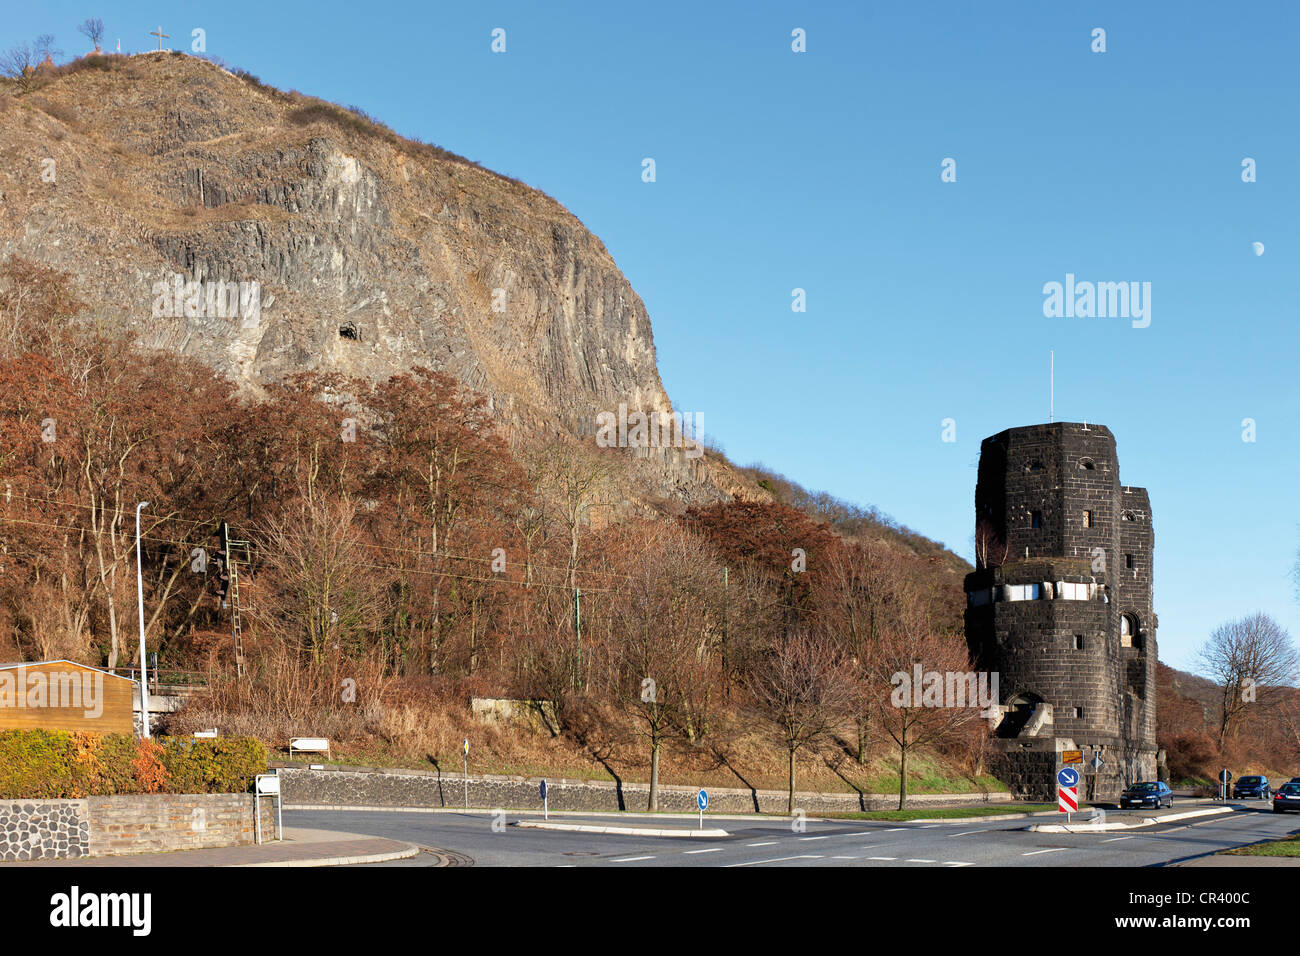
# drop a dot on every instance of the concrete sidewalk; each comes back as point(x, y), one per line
point(300, 847)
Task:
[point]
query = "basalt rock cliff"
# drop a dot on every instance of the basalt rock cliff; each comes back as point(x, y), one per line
point(371, 253)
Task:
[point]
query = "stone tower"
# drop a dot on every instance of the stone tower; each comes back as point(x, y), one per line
point(1060, 606)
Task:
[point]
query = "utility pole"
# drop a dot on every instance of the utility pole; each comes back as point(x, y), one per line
point(139, 592)
point(726, 632)
point(577, 639)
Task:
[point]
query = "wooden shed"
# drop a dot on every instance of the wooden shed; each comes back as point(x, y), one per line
point(65, 695)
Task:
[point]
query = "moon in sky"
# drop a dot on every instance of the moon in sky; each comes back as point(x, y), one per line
point(1258, 247)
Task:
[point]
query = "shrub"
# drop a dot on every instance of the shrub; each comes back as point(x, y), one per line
point(35, 763)
point(55, 764)
point(148, 766)
point(221, 765)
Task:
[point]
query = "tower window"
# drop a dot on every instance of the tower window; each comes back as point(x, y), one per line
point(1074, 712)
point(1128, 561)
point(1078, 642)
point(1087, 519)
point(1035, 519)
point(1128, 631)
point(1087, 464)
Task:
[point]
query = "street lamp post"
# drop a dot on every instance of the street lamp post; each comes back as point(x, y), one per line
point(139, 591)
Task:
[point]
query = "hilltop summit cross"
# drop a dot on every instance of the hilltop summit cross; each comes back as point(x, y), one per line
point(161, 36)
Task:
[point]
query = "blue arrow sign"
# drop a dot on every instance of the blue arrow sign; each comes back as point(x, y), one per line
point(1067, 776)
point(702, 800)
point(543, 789)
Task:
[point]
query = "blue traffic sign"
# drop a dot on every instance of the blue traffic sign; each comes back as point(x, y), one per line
point(543, 789)
point(1067, 776)
point(702, 800)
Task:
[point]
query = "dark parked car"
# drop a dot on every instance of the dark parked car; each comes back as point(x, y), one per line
point(1287, 798)
point(1150, 794)
point(1253, 787)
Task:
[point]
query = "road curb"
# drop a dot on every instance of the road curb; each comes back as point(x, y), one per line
point(617, 814)
point(1107, 827)
point(619, 831)
point(410, 851)
point(483, 811)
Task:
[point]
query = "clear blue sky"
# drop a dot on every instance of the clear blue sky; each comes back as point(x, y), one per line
point(821, 170)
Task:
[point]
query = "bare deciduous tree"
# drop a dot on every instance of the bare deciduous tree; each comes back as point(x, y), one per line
point(19, 63)
point(899, 652)
point(93, 30)
point(326, 593)
point(45, 49)
point(802, 692)
point(664, 626)
point(1248, 659)
point(990, 549)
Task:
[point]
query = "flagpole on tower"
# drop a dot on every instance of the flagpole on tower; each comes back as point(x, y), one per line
point(1051, 401)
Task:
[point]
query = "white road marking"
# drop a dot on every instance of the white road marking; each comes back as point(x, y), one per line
point(928, 826)
point(918, 861)
point(954, 863)
point(1052, 849)
point(882, 858)
point(712, 849)
point(767, 843)
point(968, 832)
point(631, 859)
point(779, 859)
point(844, 858)
point(1113, 839)
point(893, 829)
point(813, 838)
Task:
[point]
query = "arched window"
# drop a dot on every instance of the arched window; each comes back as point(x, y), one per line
point(1087, 464)
point(1129, 633)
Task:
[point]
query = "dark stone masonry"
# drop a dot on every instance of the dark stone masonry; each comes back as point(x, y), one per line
point(44, 830)
point(1060, 606)
point(373, 787)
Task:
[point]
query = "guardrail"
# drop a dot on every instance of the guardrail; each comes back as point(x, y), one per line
point(172, 682)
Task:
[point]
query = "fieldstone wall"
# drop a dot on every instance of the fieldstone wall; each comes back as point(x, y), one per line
point(114, 826)
point(379, 788)
point(43, 830)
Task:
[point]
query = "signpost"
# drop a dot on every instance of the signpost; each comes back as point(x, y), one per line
point(702, 801)
point(267, 785)
point(1067, 792)
point(546, 809)
point(1225, 777)
point(465, 750)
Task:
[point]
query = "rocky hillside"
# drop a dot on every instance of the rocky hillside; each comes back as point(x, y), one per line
point(371, 253)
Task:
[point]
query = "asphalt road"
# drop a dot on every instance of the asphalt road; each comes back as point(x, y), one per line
point(775, 842)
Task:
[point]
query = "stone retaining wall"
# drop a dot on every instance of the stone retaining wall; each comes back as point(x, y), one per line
point(415, 788)
point(44, 830)
point(156, 823)
point(114, 826)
